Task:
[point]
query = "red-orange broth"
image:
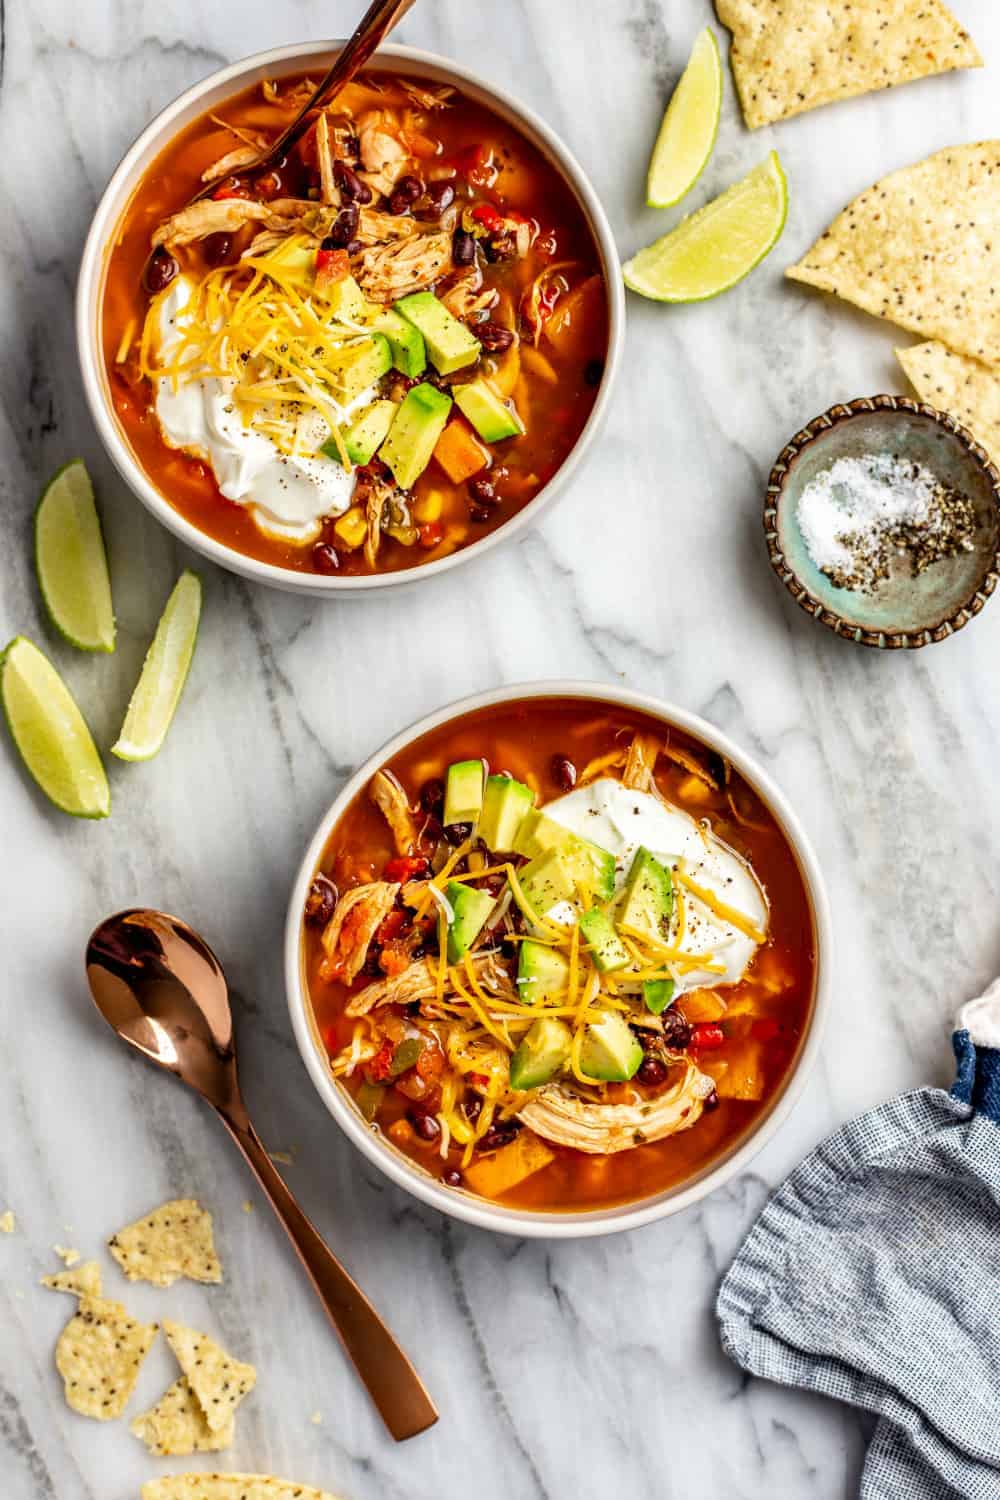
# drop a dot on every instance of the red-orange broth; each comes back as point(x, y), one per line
point(766, 1014)
point(549, 373)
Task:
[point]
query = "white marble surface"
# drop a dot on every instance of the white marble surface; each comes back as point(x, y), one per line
point(584, 1369)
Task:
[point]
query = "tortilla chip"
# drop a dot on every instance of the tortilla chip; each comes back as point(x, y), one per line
point(176, 1425)
point(67, 1254)
point(82, 1281)
point(218, 1381)
point(229, 1487)
point(788, 56)
point(922, 249)
point(966, 388)
point(99, 1356)
point(173, 1241)
point(8, 1221)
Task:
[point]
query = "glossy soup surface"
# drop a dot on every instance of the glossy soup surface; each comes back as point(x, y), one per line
point(552, 376)
point(771, 1005)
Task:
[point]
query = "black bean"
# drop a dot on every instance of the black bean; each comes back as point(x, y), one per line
point(352, 189)
point(563, 772)
point(463, 247)
point(324, 558)
point(217, 248)
point(593, 372)
point(473, 1109)
point(494, 337)
point(482, 492)
point(457, 833)
point(426, 1125)
point(344, 228)
point(452, 1178)
point(161, 268)
point(409, 188)
point(432, 795)
point(440, 195)
point(712, 1102)
point(499, 1135)
point(320, 902)
point(676, 1030)
point(652, 1071)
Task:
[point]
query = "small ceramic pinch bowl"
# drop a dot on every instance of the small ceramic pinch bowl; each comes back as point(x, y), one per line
point(902, 611)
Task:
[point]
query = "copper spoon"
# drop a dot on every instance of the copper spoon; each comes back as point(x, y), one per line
point(162, 989)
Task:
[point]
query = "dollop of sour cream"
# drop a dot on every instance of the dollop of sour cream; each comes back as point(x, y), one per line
point(620, 820)
point(287, 496)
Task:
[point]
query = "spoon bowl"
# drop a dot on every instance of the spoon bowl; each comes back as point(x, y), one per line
point(160, 987)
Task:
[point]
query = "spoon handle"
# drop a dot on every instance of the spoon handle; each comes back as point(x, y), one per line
point(393, 1383)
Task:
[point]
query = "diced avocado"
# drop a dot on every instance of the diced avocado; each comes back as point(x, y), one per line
point(538, 833)
point(542, 1052)
point(405, 340)
point(471, 908)
point(505, 803)
point(647, 901)
point(450, 345)
point(657, 994)
point(547, 880)
point(595, 869)
point(610, 1051)
point(541, 973)
point(345, 299)
point(365, 434)
point(463, 791)
point(294, 264)
point(367, 363)
point(606, 947)
point(418, 424)
point(492, 418)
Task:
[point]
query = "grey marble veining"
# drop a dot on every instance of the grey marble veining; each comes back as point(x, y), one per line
point(585, 1369)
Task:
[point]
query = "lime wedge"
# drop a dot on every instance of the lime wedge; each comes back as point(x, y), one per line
point(689, 127)
point(163, 675)
point(717, 246)
point(71, 562)
point(49, 731)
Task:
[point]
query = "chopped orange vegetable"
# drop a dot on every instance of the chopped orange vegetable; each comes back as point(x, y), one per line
point(497, 1174)
point(702, 1005)
point(575, 327)
point(459, 452)
point(744, 1078)
point(402, 1132)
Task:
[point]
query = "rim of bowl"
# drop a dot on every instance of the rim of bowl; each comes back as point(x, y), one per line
point(559, 1224)
point(891, 640)
point(90, 286)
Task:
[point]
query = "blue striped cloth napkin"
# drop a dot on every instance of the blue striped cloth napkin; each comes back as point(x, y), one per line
point(873, 1276)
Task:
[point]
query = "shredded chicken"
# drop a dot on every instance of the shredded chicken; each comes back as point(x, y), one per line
point(349, 932)
point(466, 297)
point(240, 156)
point(387, 272)
point(384, 159)
point(291, 98)
point(210, 216)
point(427, 98)
point(324, 155)
point(639, 763)
point(390, 799)
point(556, 1112)
point(420, 981)
point(413, 892)
point(375, 228)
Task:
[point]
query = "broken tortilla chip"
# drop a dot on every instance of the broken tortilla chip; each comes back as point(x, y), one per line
point(176, 1425)
point(82, 1281)
point(229, 1487)
point(922, 249)
point(99, 1356)
point(174, 1240)
point(219, 1381)
point(967, 388)
point(788, 56)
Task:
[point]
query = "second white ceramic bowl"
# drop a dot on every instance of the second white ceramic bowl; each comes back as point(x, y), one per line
point(480, 1211)
point(210, 94)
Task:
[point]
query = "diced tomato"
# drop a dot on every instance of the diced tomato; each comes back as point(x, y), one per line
point(331, 266)
point(231, 188)
point(480, 1079)
point(430, 534)
point(486, 215)
point(391, 926)
point(404, 867)
point(469, 158)
point(706, 1035)
point(766, 1029)
point(394, 958)
point(379, 1070)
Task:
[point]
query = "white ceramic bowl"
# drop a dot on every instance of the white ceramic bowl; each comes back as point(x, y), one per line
point(209, 94)
point(480, 1211)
